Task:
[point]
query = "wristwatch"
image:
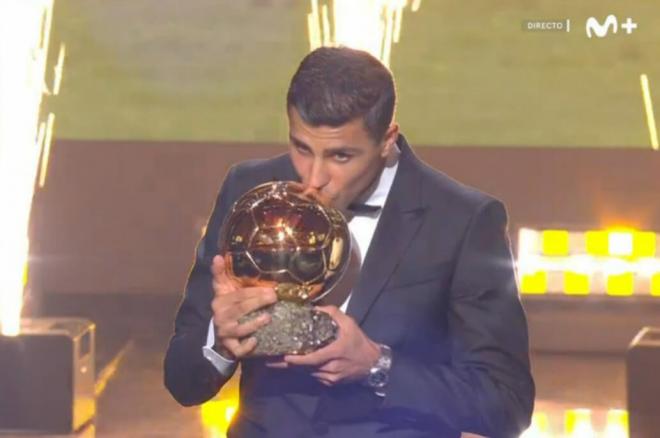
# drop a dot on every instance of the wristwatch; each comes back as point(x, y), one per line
point(379, 373)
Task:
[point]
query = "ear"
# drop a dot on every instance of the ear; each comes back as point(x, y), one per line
point(389, 139)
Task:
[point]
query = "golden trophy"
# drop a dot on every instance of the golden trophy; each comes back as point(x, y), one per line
point(276, 235)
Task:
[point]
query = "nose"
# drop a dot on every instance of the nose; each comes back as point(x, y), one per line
point(318, 176)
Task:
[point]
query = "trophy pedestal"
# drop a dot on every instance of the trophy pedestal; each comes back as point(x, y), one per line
point(47, 378)
point(294, 329)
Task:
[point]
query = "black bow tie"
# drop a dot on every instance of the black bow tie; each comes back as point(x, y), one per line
point(363, 209)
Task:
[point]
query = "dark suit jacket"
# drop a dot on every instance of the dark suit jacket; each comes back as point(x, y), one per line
point(437, 285)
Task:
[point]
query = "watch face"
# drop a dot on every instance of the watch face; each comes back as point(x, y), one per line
point(378, 379)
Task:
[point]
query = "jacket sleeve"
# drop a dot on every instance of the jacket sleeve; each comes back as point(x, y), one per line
point(189, 376)
point(487, 387)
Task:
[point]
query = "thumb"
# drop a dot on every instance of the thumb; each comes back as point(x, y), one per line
point(220, 275)
point(218, 265)
point(330, 310)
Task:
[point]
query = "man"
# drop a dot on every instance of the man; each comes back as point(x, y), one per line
point(432, 337)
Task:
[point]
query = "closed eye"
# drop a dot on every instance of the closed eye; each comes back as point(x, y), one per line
point(302, 149)
point(342, 157)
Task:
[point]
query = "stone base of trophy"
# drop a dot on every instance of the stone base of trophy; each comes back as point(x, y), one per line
point(294, 329)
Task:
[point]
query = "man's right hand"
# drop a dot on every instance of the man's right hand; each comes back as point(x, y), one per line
point(231, 302)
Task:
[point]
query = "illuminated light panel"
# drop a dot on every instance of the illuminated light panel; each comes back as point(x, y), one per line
point(370, 25)
point(577, 424)
point(655, 285)
point(540, 427)
point(617, 424)
point(24, 40)
point(576, 283)
point(620, 243)
point(555, 242)
point(597, 243)
point(621, 284)
point(534, 283)
point(617, 263)
point(644, 244)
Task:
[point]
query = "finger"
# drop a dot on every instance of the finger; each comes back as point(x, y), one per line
point(241, 348)
point(234, 329)
point(277, 364)
point(318, 357)
point(222, 282)
point(250, 299)
point(342, 320)
point(333, 311)
point(263, 296)
point(229, 308)
point(325, 378)
point(330, 367)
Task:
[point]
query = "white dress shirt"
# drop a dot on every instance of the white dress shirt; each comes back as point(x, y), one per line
point(362, 229)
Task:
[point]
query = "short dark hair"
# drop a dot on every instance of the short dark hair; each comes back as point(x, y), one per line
point(334, 85)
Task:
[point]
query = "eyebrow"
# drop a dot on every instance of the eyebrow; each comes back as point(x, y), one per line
point(329, 151)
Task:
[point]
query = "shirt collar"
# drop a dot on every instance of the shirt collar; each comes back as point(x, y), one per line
point(378, 195)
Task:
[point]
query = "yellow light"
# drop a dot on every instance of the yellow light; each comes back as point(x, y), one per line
point(617, 424)
point(577, 423)
point(534, 283)
point(576, 283)
point(230, 411)
point(59, 70)
point(540, 427)
point(25, 35)
point(370, 25)
point(597, 243)
point(218, 414)
point(620, 243)
point(648, 107)
point(655, 285)
point(45, 147)
point(555, 242)
point(527, 243)
point(644, 244)
point(621, 284)
point(26, 274)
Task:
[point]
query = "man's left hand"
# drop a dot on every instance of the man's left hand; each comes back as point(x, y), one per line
point(347, 359)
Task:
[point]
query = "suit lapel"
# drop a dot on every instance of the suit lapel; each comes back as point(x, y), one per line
point(398, 225)
point(284, 171)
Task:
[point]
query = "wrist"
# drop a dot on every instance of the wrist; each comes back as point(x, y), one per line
point(378, 375)
point(372, 356)
point(224, 352)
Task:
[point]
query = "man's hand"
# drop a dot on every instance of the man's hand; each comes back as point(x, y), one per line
point(231, 303)
point(347, 359)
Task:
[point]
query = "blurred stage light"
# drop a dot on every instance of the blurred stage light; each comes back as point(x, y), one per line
point(577, 424)
point(24, 42)
point(608, 262)
point(217, 415)
point(370, 25)
point(617, 424)
point(648, 107)
point(540, 427)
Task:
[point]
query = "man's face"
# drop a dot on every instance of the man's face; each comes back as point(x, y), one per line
point(340, 163)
